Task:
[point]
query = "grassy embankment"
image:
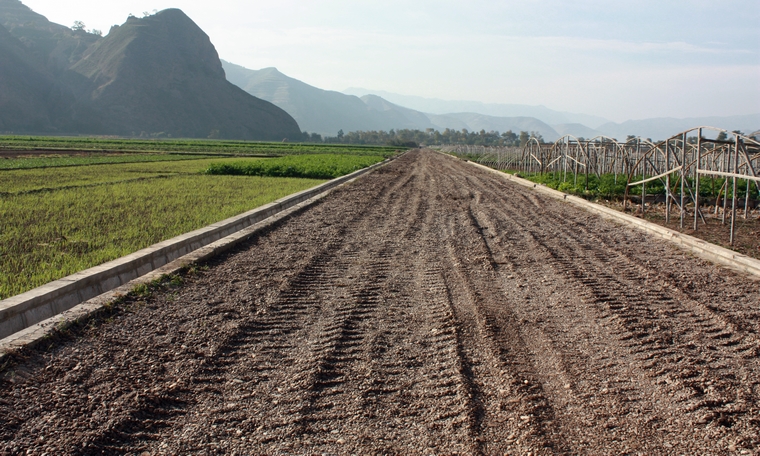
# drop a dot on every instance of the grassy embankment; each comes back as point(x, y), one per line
point(58, 220)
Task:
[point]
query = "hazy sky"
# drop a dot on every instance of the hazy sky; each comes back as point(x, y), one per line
point(619, 59)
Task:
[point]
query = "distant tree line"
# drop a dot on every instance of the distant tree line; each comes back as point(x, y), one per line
point(413, 138)
point(432, 137)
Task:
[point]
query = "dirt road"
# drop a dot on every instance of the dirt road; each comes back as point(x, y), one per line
point(429, 307)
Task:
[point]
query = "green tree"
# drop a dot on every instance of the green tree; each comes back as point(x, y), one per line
point(524, 137)
point(509, 138)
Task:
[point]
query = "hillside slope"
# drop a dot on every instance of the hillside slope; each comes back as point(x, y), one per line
point(158, 75)
point(161, 74)
point(477, 122)
point(442, 107)
point(400, 116)
point(316, 110)
point(51, 45)
point(326, 112)
point(35, 55)
point(24, 88)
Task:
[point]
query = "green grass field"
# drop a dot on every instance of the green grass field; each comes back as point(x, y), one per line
point(58, 160)
point(37, 179)
point(56, 221)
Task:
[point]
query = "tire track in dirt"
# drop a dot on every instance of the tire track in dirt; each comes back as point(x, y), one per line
point(427, 308)
point(157, 400)
point(512, 409)
point(646, 317)
point(330, 344)
point(652, 326)
point(695, 364)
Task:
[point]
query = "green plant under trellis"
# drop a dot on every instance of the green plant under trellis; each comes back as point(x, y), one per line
point(605, 186)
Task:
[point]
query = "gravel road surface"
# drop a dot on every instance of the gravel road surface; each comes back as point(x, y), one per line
point(427, 308)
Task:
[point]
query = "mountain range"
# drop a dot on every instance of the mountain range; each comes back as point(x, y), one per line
point(580, 125)
point(438, 106)
point(325, 112)
point(665, 127)
point(316, 110)
point(158, 75)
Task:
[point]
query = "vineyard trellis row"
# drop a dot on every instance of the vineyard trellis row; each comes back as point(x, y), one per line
point(678, 163)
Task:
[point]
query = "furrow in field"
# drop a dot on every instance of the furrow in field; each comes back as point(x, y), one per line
point(670, 331)
point(567, 348)
point(515, 405)
point(269, 357)
point(666, 331)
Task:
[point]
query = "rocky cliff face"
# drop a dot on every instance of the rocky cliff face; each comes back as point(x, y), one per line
point(157, 75)
point(162, 74)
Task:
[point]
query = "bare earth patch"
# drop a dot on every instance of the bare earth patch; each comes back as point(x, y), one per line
point(715, 230)
point(429, 307)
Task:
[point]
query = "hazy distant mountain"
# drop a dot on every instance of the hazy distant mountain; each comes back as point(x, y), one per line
point(461, 120)
point(154, 74)
point(666, 127)
point(562, 122)
point(400, 116)
point(577, 130)
point(444, 121)
point(477, 122)
point(437, 106)
point(317, 110)
point(326, 112)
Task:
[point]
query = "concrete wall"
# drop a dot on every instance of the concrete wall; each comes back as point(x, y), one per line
point(27, 309)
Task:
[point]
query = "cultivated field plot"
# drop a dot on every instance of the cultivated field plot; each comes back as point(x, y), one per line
point(13, 145)
point(429, 307)
point(62, 214)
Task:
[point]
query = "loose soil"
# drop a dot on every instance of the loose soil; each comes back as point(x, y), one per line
point(429, 307)
point(714, 228)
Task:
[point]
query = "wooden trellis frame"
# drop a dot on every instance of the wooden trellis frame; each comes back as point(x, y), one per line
point(682, 159)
